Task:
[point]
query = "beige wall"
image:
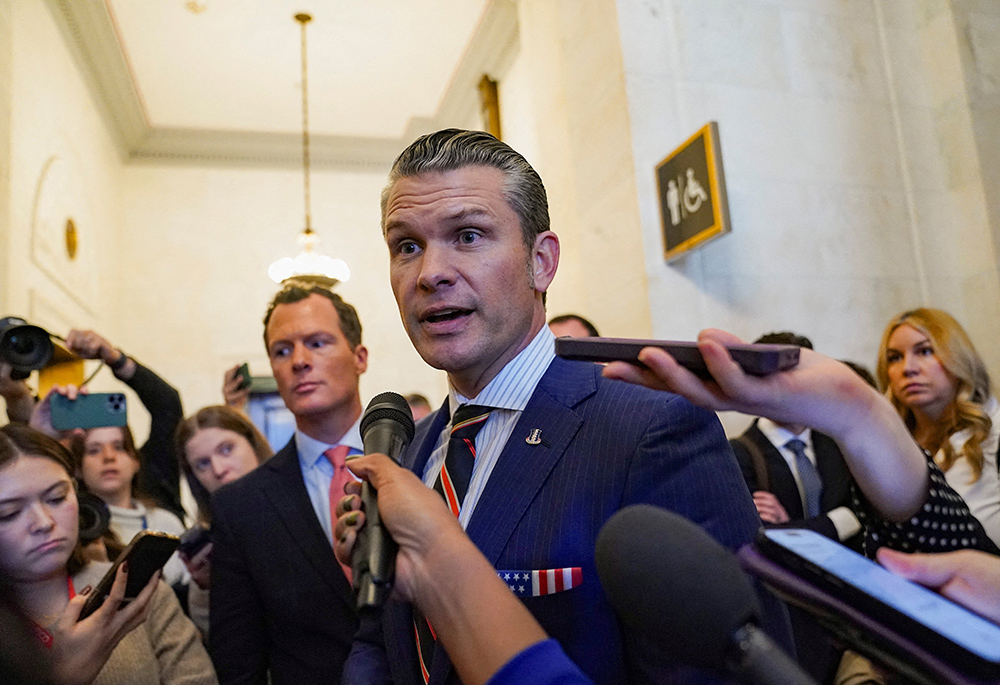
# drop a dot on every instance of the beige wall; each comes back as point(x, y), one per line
point(852, 172)
point(196, 256)
point(859, 138)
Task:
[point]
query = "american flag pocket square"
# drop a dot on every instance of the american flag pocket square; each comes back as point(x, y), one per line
point(542, 582)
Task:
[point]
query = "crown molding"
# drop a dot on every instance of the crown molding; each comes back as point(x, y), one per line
point(93, 40)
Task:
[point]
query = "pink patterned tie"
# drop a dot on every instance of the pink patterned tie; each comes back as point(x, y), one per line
point(341, 477)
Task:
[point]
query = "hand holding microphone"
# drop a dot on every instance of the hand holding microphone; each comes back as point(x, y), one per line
point(386, 428)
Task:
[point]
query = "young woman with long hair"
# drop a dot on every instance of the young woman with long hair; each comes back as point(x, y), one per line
point(931, 372)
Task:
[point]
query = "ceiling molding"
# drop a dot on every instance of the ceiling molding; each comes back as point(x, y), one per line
point(93, 40)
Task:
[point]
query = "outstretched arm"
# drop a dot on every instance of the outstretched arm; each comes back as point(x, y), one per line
point(821, 393)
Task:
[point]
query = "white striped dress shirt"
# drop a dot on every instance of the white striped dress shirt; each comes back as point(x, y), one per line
point(508, 393)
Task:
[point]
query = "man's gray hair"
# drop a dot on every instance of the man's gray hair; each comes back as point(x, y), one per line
point(454, 148)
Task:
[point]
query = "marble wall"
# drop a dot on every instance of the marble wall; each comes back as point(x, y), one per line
point(860, 139)
point(850, 160)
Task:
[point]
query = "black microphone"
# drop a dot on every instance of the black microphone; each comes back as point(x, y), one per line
point(668, 579)
point(387, 428)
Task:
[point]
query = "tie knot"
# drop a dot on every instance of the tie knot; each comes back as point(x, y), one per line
point(337, 456)
point(469, 419)
point(796, 446)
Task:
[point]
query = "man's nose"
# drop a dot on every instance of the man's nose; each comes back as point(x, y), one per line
point(436, 269)
point(300, 357)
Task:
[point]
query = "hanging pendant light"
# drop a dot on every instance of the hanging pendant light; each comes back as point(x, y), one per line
point(309, 262)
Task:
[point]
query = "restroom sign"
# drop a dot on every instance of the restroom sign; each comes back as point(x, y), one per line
point(692, 192)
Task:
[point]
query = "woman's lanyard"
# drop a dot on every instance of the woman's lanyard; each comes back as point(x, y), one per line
point(43, 635)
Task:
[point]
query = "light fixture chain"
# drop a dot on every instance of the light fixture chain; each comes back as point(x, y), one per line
point(304, 19)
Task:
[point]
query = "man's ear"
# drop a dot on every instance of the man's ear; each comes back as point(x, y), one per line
point(361, 359)
point(545, 260)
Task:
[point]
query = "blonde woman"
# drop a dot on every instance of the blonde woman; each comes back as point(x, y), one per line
point(938, 383)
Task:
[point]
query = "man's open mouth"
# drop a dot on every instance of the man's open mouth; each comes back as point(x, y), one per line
point(447, 315)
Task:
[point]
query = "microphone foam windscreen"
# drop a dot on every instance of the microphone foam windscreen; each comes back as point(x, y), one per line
point(389, 405)
point(671, 581)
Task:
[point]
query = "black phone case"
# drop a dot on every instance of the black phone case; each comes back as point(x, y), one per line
point(756, 360)
point(866, 631)
point(146, 554)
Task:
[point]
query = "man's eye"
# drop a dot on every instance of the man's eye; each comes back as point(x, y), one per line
point(467, 237)
point(8, 514)
point(279, 352)
point(406, 247)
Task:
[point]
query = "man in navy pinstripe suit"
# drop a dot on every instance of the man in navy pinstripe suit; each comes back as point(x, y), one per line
point(471, 255)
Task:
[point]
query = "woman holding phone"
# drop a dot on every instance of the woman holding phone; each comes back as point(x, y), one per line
point(149, 640)
point(932, 374)
point(108, 465)
point(217, 445)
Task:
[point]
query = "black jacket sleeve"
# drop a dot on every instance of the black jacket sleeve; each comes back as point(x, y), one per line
point(160, 474)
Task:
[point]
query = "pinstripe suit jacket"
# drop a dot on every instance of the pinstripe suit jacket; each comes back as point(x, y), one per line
point(605, 445)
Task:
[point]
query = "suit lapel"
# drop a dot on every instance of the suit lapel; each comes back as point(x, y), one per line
point(287, 492)
point(522, 467)
point(782, 481)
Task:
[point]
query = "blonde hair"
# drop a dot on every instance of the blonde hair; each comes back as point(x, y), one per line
point(958, 356)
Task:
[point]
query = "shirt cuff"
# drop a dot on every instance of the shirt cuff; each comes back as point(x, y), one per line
point(543, 662)
point(846, 523)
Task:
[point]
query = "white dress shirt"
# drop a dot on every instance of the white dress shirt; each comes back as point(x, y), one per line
point(843, 518)
point(508, 393)
point(317, 471)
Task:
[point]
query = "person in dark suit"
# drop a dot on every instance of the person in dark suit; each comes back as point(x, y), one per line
point(559, 449)
point(798, 478)
point(770, 455)
point(281, 604)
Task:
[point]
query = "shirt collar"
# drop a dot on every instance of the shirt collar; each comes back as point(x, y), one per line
point(516, 382)
point(311, 450)
point(780, 436)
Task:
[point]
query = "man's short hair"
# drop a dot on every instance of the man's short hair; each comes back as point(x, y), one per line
point(299, 289)
point(785, 338)
point(415, 399)
point(454, 148)
point(565, 318)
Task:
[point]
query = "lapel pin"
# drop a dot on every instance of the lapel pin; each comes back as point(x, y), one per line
point(534, 437)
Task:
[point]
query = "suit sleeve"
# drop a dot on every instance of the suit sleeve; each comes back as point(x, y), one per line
point(368, 662)
point(160, 476)
point(685, 464)
point(238, 635)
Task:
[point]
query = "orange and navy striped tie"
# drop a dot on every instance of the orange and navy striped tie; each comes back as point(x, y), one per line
point(456, 472)
point(452, 483)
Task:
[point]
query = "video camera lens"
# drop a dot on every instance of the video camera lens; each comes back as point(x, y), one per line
point(23, 346)
point(94, 517)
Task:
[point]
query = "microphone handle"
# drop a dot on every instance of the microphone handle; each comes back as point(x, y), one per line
point(757, 660)
point(373, 564)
